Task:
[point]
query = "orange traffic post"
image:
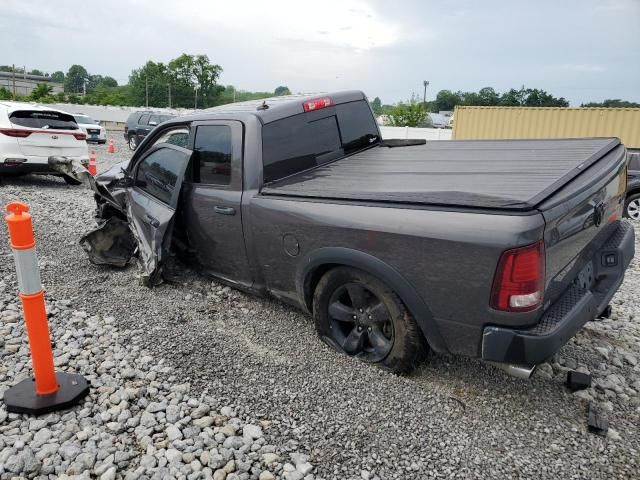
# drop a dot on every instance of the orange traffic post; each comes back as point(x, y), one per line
point(93, 167)
point(111, 148)
point(48, 391)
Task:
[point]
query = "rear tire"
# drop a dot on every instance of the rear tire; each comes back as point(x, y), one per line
point(632, 207)
point(71, 180)
point(357, 314)
point(133, 142)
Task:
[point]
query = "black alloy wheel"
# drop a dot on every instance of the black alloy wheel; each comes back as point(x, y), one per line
point(357, 314)
point(360, 322)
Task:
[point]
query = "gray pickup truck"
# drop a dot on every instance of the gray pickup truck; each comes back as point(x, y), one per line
point(500, 250)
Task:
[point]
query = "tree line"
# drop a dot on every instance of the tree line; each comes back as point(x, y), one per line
point(184, 82)
point(414, 113)
point(192, 80)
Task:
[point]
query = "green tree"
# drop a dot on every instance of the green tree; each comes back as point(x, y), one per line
point(513, 97)
point(487, 96)
point(376, 106)
point(35, 71)
point(281, 90)
point(612, 103)
point(5, 94)
point(75, 79)
point(189, 72)
point(408, 114)
point(446, 100)
point(540, 98)
point(57, 77)
point(155, 77)
point(109, 82)
point(41, 91)
point(74, 99)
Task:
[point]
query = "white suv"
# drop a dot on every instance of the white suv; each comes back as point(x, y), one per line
point(95, 133)
point(30, 134)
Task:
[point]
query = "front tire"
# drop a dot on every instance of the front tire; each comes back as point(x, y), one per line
point(133, 142)
point(632, 207)
point(357, 314)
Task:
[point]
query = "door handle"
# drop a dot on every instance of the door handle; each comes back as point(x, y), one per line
point(152, 221)
point(224, 210)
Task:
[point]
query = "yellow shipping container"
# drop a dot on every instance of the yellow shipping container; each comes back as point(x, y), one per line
point(547, 122)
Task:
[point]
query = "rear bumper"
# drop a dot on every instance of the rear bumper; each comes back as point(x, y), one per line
point(569, 313)
point(31, 164)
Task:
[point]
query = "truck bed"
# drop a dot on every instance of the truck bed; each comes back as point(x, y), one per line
point(501, 174)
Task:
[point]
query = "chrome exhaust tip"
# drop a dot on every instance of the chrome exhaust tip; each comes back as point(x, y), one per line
point(519, 371)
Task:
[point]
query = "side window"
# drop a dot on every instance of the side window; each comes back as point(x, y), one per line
point(158, 173)
point(154, 120)
point(174, 136)
point(212, 150)
point(357, 126)
point(295, 144)
point(143, 120)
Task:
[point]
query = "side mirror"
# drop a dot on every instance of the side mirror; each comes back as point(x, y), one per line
point(125, 182)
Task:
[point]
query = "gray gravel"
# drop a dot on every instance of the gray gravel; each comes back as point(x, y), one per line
point(186, 354)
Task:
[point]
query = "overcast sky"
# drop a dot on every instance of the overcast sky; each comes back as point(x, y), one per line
point(584, 50)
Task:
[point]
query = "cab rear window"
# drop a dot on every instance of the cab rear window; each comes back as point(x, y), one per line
point(43, 120)
point(306, 140)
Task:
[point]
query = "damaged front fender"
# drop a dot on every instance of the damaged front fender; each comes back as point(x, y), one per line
point(110, 244)
point(74, 169)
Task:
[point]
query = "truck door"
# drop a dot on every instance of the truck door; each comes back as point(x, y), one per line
point(152, 201)
point(213, 196)
point(143, 128)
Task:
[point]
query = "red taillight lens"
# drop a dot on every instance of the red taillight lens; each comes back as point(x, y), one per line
point(317, 104)
point(519, 282)
point(15, 132)
point(80, 136)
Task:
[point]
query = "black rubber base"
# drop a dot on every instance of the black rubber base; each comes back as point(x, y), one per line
point(22, 398)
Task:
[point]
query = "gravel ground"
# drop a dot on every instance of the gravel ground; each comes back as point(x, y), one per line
point(193, 374)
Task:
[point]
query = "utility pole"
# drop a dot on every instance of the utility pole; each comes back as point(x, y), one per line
point(196, 101)
point(424, 98)
point(13, 69)
point(169, 85)
point(146, 91)
point(234, 94)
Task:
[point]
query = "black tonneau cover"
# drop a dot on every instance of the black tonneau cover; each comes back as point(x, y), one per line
point(504, 174)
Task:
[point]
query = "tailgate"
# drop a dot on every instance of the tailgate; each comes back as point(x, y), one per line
point(580, 218)
point(46, 144)
point(45, 133)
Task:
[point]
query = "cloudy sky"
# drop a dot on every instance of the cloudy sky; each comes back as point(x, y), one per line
point(584, 50)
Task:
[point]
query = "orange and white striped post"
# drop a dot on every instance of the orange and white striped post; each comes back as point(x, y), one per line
point(93, 166)
point(48, 391)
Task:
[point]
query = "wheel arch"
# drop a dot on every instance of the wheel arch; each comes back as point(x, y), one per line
point(320, 261)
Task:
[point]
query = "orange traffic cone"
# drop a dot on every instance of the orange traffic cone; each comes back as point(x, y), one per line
point(93, 168)
point(111, 148)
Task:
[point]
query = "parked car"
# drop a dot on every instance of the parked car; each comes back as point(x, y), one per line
point(95, 132)
point(140, 123)
point(30, 134)
point(500, 250)
point(632, 203)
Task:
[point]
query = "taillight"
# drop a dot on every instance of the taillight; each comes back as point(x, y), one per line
point(15, 132)
point(80, 136)
point(518, 285)
point(317, 104)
